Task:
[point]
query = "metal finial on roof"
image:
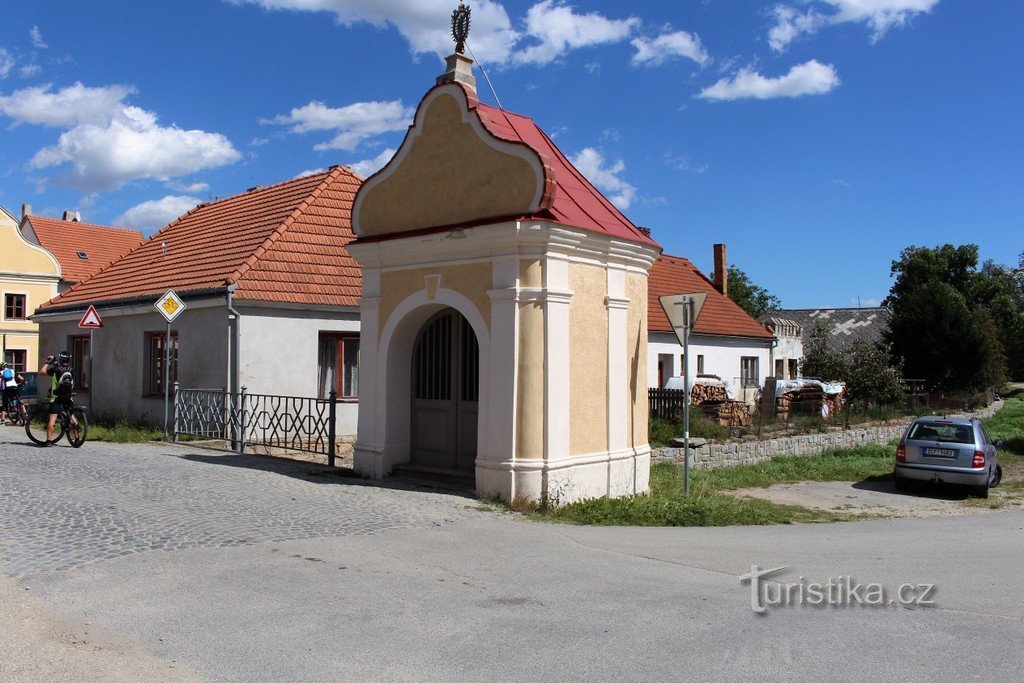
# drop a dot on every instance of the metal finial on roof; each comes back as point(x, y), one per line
point(460, 27)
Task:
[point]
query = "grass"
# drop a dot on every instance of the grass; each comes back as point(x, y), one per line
point(661, 432)
point(711, 504)
point(128, 431)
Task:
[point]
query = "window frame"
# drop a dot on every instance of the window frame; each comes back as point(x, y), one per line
point(79, 361)
point(151, 382)
point(746, 379)
point(11, 362)
point(24, 306)
point(342, 340)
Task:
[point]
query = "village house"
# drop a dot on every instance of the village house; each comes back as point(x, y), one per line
point(726, 341)
point(842, 326)
point(270, 295)
point(41, 257)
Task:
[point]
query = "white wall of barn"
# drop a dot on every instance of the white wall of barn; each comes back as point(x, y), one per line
point(721, 356)
point(279, 352)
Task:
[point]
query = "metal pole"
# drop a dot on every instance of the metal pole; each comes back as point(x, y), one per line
point(331, 427)
point(92, 384)
point(686, 394)
point(167, 376)
point(177, 410)
point(241, 420)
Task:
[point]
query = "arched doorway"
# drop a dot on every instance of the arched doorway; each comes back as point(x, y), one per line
point(445, 393)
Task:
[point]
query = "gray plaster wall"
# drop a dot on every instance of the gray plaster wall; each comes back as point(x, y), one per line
point(279, 352)
point(120, 351)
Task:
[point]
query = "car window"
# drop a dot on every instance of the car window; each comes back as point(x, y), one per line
point(951, 433)
point(985, 436)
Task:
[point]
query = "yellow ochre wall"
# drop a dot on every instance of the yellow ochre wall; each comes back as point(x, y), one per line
point(24, 269)
point(472, 280)
point(636, 350)
point(588, 360)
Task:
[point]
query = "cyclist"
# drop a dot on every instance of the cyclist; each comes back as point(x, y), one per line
point(58, 369)
point(10, 382)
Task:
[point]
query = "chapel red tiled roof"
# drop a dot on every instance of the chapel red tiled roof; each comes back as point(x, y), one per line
point(720, 315)
point(67, 239)
point(573, 200)
point(284, 243)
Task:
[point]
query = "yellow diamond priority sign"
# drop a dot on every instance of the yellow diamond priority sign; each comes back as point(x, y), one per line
point(170, 306)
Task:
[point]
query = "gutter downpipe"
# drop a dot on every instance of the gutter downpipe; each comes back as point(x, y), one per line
point(235, 332)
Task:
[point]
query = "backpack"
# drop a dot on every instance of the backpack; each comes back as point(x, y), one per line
point(8, 375)
point(65, 384)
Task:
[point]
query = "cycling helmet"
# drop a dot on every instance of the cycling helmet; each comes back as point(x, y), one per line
point(64, 357)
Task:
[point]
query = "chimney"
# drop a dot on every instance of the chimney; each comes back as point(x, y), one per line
point(459, 67)
point(26, 211)
point(71, 216)
point(721, 270)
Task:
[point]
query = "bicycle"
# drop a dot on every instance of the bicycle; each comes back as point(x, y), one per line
point(71, 421)
point(16, 412)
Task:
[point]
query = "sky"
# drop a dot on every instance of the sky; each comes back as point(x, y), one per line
point(816, 138)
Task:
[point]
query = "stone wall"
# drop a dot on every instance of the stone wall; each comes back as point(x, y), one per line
point(747, 452)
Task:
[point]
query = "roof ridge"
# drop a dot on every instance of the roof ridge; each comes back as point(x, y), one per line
point(254, 258)
point(86, 224)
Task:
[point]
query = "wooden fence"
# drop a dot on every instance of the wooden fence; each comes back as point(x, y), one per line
point(666, 404)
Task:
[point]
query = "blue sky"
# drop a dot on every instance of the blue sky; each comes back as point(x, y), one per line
point(816, 138)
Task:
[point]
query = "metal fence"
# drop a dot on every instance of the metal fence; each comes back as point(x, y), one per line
point(290, 422)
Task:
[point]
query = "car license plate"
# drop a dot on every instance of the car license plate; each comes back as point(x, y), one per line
point(940, 452)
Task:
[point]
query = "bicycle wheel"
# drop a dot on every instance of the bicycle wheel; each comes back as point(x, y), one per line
point(22, 415)
point(77, 430)
point(35, 425)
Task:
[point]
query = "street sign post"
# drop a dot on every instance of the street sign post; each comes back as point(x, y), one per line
point(91, 321)
point(682, 311)
point(170, 307)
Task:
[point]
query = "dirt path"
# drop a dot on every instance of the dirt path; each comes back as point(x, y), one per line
point(880, 498)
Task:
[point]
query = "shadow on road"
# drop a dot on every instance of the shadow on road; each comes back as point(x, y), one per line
point(885, 484)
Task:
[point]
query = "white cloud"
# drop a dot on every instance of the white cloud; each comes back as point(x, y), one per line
point(552, 28)
point(668, 46)
point(352, 124)
point(157, 213)
point(879, 15)
point(258, 142)
point(591, 163)
point(308, 172)
point(684, 162)
point(6, 63)
point(37, 38)
point(810, 78)
point(190, 188)
point(132, 146)
point(424, 23)
point(70, 106)
point(559, 29)
point(30, 70)
point(367, 167)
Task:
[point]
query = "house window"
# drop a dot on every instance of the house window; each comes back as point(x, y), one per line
point(700, 363)
point(338, 365)
point(14, 306)
point(749, 375)
point(16, 358)
point(156, 351)
point(780, 368)
point(80, 361)
point(794, 368)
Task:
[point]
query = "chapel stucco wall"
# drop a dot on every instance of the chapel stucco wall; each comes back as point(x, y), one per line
point(472, 280)
point(447, 158)
point(588, 360)
point(636, 290)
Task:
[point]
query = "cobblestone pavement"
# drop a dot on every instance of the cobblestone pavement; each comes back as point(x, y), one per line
point(62, 508)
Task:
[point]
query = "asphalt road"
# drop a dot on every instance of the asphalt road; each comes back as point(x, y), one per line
point(162, 563)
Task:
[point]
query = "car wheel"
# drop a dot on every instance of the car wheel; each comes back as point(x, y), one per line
point(997, 477)
point(982, 491)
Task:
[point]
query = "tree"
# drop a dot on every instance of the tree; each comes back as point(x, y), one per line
point(752, 298)
point(866, 368)
point(940, 327)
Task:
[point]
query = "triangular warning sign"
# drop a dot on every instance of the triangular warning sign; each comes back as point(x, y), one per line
point(91, 319)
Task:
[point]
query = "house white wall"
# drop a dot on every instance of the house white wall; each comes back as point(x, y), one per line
point(789, 349)
point(721, 356)
point(279, 352)
point(120, 352)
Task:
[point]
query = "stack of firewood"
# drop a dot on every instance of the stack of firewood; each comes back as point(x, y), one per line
point(809, 398)
point(702, 393)
point(727, 413)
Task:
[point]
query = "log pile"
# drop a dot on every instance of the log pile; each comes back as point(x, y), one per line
point(702, 393)
point(727, 413)
point(802, 401)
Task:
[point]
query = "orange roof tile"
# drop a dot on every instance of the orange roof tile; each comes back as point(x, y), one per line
point(100, 244)
point(720, 316)
point(284, 243)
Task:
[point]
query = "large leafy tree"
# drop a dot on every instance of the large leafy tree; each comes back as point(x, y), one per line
point(941, 327)
point(866, 368)
point(752, 298)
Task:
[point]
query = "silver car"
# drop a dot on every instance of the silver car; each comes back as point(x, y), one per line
point(948, 450)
